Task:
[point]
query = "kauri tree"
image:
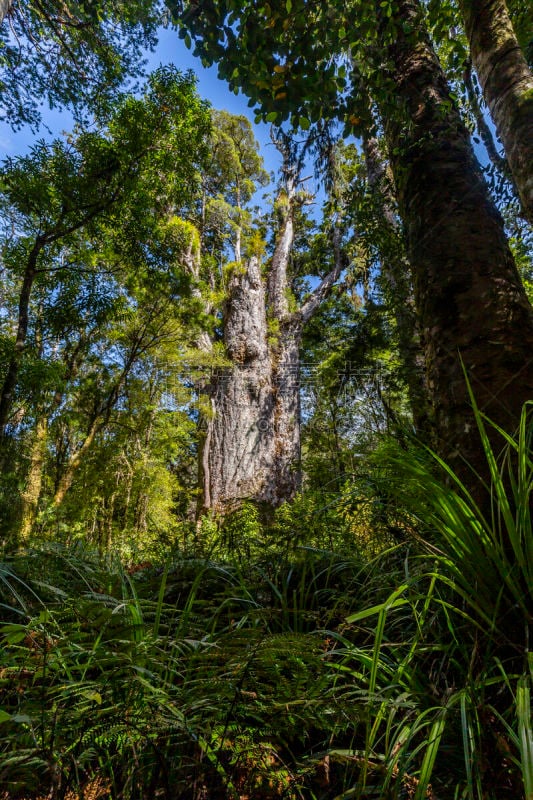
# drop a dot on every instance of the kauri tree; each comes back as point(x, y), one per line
point(250, 442)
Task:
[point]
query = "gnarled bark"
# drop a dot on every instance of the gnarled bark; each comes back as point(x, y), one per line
point(287, 476)
point(250, 447)
point(238, 443)
point(507, 85)
point(473, 311)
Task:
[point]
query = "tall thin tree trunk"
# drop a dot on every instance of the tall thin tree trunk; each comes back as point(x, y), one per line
point(74, 463)
point(397, 273)
point(473, 311)
point(10, 381)
point(34, 480)
point(141, 505)
point(108, 521)
point(507, 85)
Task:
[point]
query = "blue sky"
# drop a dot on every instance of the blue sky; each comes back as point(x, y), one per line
point(170, 50)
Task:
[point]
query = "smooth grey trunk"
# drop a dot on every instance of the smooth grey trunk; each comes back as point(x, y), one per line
point(483, 128)
point(507, 85)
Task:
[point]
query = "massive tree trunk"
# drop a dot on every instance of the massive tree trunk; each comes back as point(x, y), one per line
point(238, 444)
point(507, 85)
point(250, 446)
point(471, 304)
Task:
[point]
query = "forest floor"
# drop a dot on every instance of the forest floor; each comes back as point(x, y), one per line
point(313, 676)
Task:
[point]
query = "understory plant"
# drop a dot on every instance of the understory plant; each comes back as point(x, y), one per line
point(300, 673)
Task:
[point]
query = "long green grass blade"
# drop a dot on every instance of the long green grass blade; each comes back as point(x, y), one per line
point(430, 754)
point(525, 733)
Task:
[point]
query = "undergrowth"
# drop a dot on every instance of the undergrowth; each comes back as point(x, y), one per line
point(306, 674)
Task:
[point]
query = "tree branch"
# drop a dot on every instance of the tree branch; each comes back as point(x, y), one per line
point(318, 296)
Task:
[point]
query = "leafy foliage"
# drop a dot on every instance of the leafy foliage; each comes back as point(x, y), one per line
point(314, 675)
point(369, 639)
point(72, 53)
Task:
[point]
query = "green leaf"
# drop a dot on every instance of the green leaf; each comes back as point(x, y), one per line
point(525, 733)
point(304, 123)
point(15, 636)
point(4, 716)
point(92, 695)
point(430, 754)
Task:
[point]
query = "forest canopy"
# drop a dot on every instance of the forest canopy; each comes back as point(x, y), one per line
point(265, 440)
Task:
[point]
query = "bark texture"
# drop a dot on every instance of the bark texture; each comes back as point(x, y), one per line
point(483, 127)
point(251, 440)
point(10, 381)
point(238, 445)
point(507, 85)
point(471, 304)
point(32, 491)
